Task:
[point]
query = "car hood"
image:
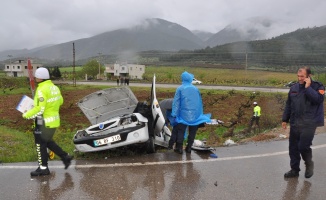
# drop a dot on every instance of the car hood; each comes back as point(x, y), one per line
point(107, 104)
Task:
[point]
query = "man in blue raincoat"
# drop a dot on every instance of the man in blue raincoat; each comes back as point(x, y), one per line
point(187, 108)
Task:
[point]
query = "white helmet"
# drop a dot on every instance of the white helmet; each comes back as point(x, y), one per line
point(42, 73)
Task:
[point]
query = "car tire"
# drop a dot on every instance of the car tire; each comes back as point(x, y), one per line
point(150, 145)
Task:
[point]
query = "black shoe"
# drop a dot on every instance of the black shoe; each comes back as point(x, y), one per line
point(170, 147)
point(188, 149)
point(291, 174)
point(67, 160)
point(178, 150)
point(40, 172)
point(309, 169)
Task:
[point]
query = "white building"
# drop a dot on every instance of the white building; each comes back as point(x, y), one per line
point(19, 68)
point(125, 70)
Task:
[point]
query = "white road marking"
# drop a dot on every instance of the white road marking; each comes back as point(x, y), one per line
point(161, 162)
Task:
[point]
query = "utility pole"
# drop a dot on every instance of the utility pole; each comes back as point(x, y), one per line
point(99, 65)
point(246, 60)
point(73, 66)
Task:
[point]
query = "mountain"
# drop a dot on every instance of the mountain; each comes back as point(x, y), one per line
point(305, 46)
point(203, 35)
point(16, 53)
point(158, 35)
point(247, 30)
point(152, 34)
point(302, 42)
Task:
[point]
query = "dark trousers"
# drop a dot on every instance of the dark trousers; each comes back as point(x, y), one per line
point(181, 128)
point(300, 141)
point(173, 138)
point(254, 119)
point(43, 140)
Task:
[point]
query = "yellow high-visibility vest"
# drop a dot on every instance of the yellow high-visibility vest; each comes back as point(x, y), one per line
point(47, 102)
point(257, 111)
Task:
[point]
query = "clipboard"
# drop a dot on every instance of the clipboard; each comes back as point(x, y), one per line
point(26, 103)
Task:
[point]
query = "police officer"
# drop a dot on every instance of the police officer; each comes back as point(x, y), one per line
point(305, 111)
point(256, 115)
point(47, 102)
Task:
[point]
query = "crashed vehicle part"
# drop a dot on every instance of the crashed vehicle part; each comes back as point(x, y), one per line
point(118, 120)
point(107, 104)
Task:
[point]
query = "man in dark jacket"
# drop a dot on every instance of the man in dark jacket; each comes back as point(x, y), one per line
point(166, 108)
point(305, 111)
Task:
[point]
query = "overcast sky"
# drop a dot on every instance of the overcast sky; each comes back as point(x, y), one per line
point(33, 23)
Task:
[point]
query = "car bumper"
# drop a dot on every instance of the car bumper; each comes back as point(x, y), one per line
point(128, 137)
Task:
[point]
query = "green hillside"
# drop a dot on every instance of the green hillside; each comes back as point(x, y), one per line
point(302, 47)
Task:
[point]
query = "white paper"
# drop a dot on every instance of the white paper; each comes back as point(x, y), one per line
point(25, 104)
point(215, 122)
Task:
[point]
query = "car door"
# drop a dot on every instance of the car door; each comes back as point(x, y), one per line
point(161, 131)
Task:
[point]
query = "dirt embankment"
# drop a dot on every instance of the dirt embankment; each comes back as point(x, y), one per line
point(227, 108)
point(277, 134)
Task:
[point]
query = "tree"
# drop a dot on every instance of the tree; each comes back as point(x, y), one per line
point(56, 72)
point(91, 68)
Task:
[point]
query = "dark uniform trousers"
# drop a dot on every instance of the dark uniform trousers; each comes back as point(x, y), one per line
point(43, 140)
point(299, 144)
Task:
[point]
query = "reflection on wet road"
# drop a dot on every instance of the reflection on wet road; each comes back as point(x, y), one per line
point(292, 192)
point(136, 181)
point(47, 192)
point(251, 171)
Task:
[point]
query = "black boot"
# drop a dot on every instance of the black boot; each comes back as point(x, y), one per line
point(309, 169)
point(188, 149)
point(67, 160)
point(40, 172)
point(291, 174)
point(178, 148)
point(170, 145)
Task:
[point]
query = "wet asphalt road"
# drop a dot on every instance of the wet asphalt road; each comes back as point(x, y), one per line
point(250, 171)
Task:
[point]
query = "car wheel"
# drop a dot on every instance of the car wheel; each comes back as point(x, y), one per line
point(150, 145)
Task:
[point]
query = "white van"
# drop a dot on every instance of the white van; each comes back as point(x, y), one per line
point(195, 81)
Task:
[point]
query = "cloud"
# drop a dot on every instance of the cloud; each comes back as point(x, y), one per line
point(33, 23)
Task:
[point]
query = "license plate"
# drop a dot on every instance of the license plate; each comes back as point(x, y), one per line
point(107, 140)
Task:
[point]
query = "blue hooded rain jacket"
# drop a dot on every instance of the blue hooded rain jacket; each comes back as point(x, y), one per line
point(187, 104)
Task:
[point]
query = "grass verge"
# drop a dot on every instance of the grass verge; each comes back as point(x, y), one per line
point(18, 146)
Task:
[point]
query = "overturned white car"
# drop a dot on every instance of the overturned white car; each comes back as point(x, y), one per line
point(118, 120)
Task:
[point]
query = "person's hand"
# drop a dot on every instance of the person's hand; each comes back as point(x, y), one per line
point(307, 82)
point(284, 125)
point(173, 121)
